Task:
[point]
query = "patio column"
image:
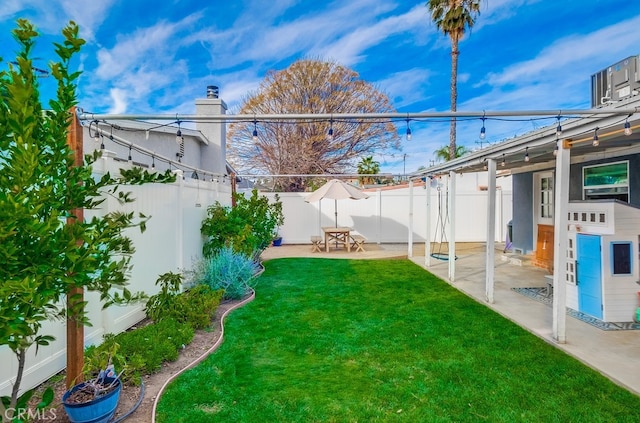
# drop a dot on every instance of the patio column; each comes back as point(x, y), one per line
point(427, 236)
point(452, 225)
point(491, 230)
point(561, 199)
point(410, 235)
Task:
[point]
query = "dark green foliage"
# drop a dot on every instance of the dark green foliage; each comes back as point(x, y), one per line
point(248, 228)
point(195, 307)
point(142, 351)
point(45, 250)
point(229, 271)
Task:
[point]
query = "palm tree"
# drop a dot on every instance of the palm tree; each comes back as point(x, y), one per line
point(368, 166)
point(444, 152)
point(452, 17)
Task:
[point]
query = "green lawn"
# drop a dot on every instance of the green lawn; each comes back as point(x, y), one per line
point(383, 340)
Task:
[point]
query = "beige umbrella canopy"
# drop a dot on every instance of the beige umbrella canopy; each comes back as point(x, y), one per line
point(336, 190)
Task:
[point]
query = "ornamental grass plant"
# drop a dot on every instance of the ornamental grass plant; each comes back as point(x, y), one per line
point(383, 340)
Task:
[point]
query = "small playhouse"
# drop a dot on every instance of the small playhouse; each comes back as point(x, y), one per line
point(603, 259)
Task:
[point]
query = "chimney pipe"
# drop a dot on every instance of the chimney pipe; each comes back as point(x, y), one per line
point(212, 91)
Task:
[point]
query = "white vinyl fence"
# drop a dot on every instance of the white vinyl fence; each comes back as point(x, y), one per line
point(384, 217)
point(171, 242)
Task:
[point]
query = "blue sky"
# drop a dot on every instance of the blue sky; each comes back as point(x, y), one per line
point(147, 56)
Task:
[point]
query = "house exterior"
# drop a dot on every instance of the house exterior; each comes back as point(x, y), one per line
point(576, 205)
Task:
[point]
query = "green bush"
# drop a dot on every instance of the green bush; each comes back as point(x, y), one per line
point(195, 307)
point(229, 271)
point(248, 228)
point(142, 351)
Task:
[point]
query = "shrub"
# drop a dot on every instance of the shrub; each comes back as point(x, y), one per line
point(248, 228)
point(195, 307)
point(229, 271)
point(142, 351)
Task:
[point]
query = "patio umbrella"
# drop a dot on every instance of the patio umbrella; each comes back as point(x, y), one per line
point(337, 190)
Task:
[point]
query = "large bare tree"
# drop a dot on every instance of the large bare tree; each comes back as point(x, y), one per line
point(316, 146)
point(453, 17)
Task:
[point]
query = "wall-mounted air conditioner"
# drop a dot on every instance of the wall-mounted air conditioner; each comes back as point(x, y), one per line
point(615, 83)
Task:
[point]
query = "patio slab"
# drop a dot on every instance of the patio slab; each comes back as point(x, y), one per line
point(614, 353)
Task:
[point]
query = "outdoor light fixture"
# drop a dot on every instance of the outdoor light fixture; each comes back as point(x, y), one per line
point(483, 132)
point(330, 133)
point(627, 128)
point(153, 162)
point(596, 140)
point(559, 127)
point(255, 131)
point(129, 153)
point(408, 131)
point(503, 163)
point(526, 154)
point(555, 150)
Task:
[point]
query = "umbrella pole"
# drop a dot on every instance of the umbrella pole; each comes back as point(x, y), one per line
point(335, 204)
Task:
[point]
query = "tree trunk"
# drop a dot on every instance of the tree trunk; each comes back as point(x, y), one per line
point(21, 355)
point(454, 95)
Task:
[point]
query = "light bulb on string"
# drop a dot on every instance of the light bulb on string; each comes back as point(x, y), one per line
point(526, 154)
point(483, 131)
point(627, 128)
point(503, 163)
point(153, 162)
point(408, 131)
point(596, 140)
point(330, 133)
point(557, 147)
point(559, 127)
point(179, 138)
point(255, 131)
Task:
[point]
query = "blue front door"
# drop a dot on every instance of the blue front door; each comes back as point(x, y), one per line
point(589, 277)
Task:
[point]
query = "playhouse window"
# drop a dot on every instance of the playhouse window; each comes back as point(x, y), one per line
point(610, 180)
point(621, 258)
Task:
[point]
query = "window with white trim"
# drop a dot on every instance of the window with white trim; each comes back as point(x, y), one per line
point(607, 181)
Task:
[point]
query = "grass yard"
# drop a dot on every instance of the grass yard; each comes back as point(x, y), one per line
point(383, 340)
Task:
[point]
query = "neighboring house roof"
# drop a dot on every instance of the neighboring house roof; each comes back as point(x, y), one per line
point(540, 144)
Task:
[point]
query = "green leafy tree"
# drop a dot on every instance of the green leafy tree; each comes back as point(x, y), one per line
point(444, 153)
point(47, 251)
point(368, 166)
point(453, 17)
point(314, 147)
point(247, 228)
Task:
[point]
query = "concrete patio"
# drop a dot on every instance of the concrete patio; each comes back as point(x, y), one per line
point(614, 353)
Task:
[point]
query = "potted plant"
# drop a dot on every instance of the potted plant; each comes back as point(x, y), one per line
point(96, 399)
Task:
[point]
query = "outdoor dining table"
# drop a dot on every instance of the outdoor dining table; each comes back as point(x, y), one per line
point(341, 236)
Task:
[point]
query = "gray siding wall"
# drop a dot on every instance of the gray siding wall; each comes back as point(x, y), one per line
point(523, 212)
point(575, 178)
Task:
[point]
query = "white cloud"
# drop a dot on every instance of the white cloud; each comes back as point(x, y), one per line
point(119, 99)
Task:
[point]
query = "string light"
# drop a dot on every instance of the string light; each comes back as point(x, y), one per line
point(130, 153)
point(330, 133)
point(153, 162)
point(526, 154)
point(255, 131)
point(559, 127)
point(627, 127)
point(483, 131)
point(596, 140)
point(555, 150)
point(503, 163)
point(408, 131)
point(96, 136)
point(179, 138)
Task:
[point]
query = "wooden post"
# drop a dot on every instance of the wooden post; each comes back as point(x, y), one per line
point(75, 329)
point(233, 188)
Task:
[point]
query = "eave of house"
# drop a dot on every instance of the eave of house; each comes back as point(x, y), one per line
point(540, 144)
